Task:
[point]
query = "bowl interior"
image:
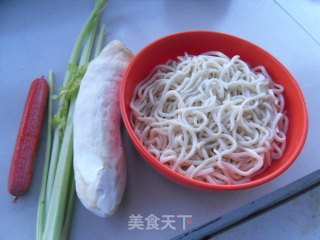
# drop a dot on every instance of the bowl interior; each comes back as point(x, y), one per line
point(197, 42)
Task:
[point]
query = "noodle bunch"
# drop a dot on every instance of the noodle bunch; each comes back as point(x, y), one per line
point(211, 118)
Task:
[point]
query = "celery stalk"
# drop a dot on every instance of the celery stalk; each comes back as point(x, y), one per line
point(53, 165)
point(69, 211)
point(41, 214)
point(57, 196)
point(85, 57)
point(54, 221)
point(101, 39)
point(65, 160)
point(74, 58)
point(75, 55)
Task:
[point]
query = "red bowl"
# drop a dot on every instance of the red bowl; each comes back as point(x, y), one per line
point(197, 42)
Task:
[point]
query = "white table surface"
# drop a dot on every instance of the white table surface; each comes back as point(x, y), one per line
point(305, 13)
point(38, 35)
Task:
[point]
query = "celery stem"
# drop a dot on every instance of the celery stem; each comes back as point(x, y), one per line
point(53, 165)
point(70, 206)
point(59, 193)
point(101, 39)
point(58, 189)
point(41, 214)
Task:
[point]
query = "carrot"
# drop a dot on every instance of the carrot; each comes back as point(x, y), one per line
point(26, 147)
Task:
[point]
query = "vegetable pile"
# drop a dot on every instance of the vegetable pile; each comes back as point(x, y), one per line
point(84, 150)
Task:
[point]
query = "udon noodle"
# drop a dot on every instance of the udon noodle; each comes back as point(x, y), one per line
point(211, 118)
